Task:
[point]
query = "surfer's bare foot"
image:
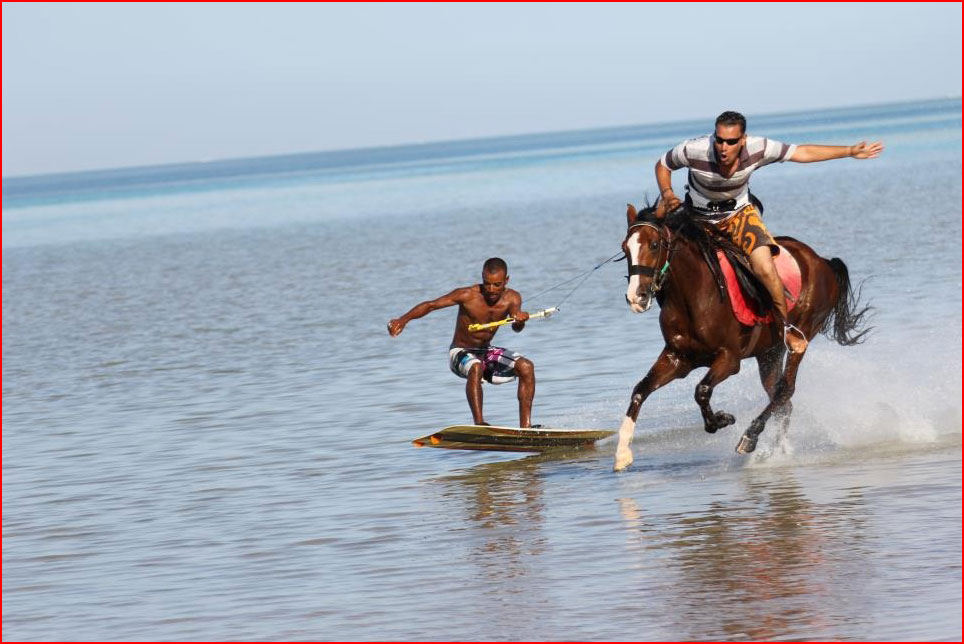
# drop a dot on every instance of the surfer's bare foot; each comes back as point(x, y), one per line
point(482, 423)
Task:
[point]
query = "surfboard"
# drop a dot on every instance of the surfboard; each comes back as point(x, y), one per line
point(510, 439)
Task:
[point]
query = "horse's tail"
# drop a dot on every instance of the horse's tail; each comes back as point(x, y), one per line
point(846, 322)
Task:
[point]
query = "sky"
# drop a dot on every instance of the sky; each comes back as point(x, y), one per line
point(91, 86)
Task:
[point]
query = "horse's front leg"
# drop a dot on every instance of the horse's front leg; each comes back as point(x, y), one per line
point(780, 402)
point(668, 367)
point(725, 364)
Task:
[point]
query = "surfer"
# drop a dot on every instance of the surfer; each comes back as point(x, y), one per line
point(471, 356)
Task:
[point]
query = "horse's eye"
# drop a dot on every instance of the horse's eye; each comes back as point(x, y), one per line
point(653, 245)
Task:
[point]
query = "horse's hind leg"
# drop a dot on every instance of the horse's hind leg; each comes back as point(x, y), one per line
point(771, 368)
point(724, 365)
point(779, 403)
point(668, 367)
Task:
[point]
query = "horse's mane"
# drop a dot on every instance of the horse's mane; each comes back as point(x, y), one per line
point(707, 238)
point(685, 222)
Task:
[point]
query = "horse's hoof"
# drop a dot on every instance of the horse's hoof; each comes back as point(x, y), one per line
point(724, 420)
point(624, 458)
point(784, 411)
point(720, 420)
point(746, 445)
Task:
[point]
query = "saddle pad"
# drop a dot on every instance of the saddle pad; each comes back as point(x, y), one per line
point(787, 269)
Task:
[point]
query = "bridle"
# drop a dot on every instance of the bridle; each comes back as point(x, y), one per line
point(658, 276)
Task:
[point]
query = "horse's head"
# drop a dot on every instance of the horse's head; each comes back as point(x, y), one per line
point(647, 251)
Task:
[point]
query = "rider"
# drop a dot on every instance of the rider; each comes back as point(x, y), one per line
point(718, 189)
point(470, 354)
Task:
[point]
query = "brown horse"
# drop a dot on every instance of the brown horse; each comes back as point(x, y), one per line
point(672, 261)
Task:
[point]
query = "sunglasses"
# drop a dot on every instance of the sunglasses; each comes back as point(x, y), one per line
point(721, 140)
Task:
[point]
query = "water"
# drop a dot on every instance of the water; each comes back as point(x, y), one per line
point(206, 427)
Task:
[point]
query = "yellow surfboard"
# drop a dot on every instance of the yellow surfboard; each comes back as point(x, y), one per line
point(510, 439)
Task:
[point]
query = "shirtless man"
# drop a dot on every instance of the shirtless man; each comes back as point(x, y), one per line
point(470, 354)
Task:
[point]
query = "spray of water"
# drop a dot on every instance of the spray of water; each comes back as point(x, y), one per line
point(868, 398)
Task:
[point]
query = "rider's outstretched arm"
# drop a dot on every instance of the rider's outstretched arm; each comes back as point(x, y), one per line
point(422, 309)
point(811, 153)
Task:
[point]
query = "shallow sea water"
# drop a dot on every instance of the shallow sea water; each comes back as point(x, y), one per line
point(206, 427)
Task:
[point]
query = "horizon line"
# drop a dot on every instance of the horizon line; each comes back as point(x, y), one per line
point(430, 143)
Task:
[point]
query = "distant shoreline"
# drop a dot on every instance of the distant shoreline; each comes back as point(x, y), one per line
point(55, 187)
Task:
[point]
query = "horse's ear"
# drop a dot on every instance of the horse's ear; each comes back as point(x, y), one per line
point(630, 214)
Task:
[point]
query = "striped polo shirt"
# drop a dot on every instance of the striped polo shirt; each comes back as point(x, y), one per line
point(705, 181)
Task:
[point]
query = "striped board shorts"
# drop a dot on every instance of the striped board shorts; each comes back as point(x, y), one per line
point(498, 364)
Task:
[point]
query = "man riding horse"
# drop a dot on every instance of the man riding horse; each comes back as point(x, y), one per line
point(718, 190)
point(675, 259)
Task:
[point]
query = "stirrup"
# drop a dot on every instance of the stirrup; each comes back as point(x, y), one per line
point(789, 327)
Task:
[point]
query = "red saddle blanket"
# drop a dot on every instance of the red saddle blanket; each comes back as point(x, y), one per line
point(789, 272)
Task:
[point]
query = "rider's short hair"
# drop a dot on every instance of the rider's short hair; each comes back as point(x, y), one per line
point(494, 264)
point(732, 118)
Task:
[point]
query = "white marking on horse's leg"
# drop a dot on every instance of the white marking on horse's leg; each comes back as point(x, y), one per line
point(633, 289)
point(624, 455)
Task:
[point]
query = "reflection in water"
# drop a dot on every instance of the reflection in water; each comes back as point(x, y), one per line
point(504, 510)
point(761, 566)
point(503, 531)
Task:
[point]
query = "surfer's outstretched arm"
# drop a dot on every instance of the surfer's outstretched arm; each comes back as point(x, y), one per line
point(422, 309)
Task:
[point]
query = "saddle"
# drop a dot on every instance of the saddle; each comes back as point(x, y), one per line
point(750, 300)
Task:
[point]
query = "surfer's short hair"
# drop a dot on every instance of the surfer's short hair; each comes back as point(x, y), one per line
point(732, 118)
point(494, 264)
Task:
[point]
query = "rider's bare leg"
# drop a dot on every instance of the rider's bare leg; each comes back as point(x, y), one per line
point(473, 392)
point(761, 261)
point(526, 372)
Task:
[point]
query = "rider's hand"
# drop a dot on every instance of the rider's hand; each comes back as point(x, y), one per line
point(521, 316)
point(395, 327)
point(864, 150)
point(667, 204)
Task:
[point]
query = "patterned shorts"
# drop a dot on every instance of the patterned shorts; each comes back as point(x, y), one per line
point(498, 364)
point(747, 231)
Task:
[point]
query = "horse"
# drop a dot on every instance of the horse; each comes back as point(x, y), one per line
point(673, 260)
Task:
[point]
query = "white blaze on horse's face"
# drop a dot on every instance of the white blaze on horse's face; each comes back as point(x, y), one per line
point(632, 291)
point(638, 294)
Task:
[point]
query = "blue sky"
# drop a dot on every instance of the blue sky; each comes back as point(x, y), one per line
point(89, 86)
